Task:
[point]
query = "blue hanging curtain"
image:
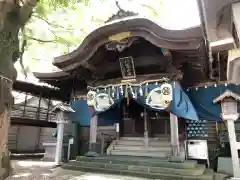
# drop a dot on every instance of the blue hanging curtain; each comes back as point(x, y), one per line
point(82, 114)
point(202, 99)
point(111, 95)
point(181, 105)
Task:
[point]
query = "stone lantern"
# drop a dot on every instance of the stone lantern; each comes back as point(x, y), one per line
point(229, 101)
point(60, 110)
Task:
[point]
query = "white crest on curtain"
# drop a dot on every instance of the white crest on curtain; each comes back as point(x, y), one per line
point(160, 97)
point(103, 102)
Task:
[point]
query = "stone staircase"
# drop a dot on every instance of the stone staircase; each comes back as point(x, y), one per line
point(146, 167)
point(134, 146)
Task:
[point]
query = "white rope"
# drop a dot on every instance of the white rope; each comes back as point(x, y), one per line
point(129, 84)
point(5, 78)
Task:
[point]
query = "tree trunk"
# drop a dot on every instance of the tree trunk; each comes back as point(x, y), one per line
point(4, 154)
point(9, 51)
point(7, 76)
point(12, 18)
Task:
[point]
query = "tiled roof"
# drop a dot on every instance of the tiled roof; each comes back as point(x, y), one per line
point(226, 94)
point(63, 107)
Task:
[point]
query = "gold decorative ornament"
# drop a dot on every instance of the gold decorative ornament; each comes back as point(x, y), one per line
point(120, 36)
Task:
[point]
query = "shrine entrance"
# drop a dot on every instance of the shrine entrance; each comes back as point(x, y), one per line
point(132, 121)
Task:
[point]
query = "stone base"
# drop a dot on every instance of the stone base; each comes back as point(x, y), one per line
point(92, 150)
point(50, 150)
point(177, 159)
point(91, 154)
point(225, 165)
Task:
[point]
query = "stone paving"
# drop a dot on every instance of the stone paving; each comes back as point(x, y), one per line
point(38, 170)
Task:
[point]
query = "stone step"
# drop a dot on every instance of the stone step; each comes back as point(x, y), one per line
point(199, 170)
point(141, 148)
point(208, 175)
point(140, 161)
point(162, 138)
point(139, 153)
point(141, 143)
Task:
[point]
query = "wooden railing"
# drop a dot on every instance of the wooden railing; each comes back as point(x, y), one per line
point(32, 112)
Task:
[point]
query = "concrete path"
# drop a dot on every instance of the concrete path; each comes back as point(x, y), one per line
point(38, 170)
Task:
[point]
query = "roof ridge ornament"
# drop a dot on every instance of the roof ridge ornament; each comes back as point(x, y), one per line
point(121, 13)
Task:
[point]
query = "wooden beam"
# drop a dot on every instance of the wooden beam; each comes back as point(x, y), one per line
point(139, 79)
point(89, 66)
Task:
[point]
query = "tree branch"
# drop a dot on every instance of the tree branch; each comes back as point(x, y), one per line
point(41, 40)
point(24, 44)
point(26, 10)
point(57, 37)
point(50, 23)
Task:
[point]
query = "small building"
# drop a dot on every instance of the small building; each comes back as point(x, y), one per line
point(32, 121)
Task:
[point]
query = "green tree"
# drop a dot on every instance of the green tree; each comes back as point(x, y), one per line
point(14, 16)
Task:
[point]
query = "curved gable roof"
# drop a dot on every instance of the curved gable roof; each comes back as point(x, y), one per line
point(138, 26)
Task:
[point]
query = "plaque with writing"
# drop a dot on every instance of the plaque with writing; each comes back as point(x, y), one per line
point(127, 68)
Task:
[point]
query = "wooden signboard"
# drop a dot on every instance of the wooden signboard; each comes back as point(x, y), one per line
point(127, 68)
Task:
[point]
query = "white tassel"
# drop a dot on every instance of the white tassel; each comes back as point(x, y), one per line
point(133, 95)
point(113, 91)
point(121, 90)
point(136, 93)
point(140, 91)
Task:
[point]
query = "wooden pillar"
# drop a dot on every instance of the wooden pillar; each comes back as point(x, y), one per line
point(117, 128)
point(145, 128)
point(93, 137)
point(174, 134)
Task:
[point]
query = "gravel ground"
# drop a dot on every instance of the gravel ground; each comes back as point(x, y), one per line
point(38, 170)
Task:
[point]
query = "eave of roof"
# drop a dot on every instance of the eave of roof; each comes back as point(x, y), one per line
point(138, 26)
point(218, 21)
point(51, 75)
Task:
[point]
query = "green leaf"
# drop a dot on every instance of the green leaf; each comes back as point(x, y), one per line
point(40, 10)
